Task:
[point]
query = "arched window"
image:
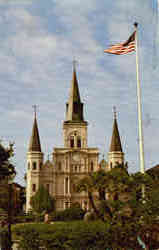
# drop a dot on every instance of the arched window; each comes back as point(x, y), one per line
point(92, 166)
point(66, 185)
point(28, 165)
point(111, 165)
point(79, 142)
point(72, 141)
point(34, 187)
point(59, 166)
point(116, 163)
point(34, 165)
point(40, 165)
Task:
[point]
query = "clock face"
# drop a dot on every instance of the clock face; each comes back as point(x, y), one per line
point(76, 157)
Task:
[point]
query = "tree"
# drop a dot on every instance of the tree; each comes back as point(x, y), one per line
point(7, 171)
point(120, 202)
point(42, 201)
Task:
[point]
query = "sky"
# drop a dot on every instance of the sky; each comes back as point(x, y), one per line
point(39, 41)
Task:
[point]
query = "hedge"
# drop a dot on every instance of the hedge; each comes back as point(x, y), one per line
point(76, 235)
point(69, 214)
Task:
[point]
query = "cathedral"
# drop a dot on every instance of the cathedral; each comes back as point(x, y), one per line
point(72, 161)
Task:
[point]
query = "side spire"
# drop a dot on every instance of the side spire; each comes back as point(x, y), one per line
point(34, 144)
point(115, 145)
point(74, 107)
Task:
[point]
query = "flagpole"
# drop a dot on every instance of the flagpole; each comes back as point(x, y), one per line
point(141, 141)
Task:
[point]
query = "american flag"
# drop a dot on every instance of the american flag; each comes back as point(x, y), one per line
point(123, 48)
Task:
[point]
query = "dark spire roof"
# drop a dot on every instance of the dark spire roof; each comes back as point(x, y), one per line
point(74, 93)
point(115, 142)
point(74, 107)
point(34, 144)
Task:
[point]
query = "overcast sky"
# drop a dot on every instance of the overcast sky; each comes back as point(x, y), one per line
point(38, 41)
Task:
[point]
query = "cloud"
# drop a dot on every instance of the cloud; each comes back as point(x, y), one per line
point(15, 2)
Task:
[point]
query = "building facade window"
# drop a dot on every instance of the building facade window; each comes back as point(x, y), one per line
point(48, 187)
point(111, 165)
point(72, 142)
point(59, 166)
point(92, 166)
point(66, 205)
point(34, 187)
point(40, 166)
point(34, 165)
point(66, 185)
point(79, 142)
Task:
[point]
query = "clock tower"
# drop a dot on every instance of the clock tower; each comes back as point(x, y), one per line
point(75, 160)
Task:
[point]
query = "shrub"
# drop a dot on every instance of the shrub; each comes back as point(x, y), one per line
point(27, 218)
point(30, 240)
point(42, 201)
point(94, 235)
point(69, 214)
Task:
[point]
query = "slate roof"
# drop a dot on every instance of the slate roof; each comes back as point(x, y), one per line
point(34, 144)
point(115, 145)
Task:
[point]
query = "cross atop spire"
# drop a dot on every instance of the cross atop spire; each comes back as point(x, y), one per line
point(35, 109)
point(74, 63)
point(115, 112)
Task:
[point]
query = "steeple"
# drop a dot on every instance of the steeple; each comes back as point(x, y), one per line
point(74, 107)
point(115, 145)
point(34, 144)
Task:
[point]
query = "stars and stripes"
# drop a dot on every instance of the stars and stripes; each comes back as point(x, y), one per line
point(123, 48)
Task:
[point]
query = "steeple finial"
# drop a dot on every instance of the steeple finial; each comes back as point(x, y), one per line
point(35, 109)
point(115, 112)
point(115, 141)
point(34, 144)
point(74, 63)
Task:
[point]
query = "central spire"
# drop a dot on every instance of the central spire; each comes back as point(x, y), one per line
point(74, 107)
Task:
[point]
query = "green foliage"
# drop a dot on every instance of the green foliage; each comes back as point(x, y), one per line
point(42, 201)
point(69, 214)
point(30, 240)
point(6, 172)
point(4, 240)
point(79, 235)
point(28, 218)
point(128, 202)
point(66, 235)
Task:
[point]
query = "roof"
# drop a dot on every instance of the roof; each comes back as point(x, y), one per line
point(74, 107)
point(115, 145)
point(34, 144)
point(74, 92)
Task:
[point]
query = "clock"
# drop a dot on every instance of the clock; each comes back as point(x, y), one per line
point(76, 157)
